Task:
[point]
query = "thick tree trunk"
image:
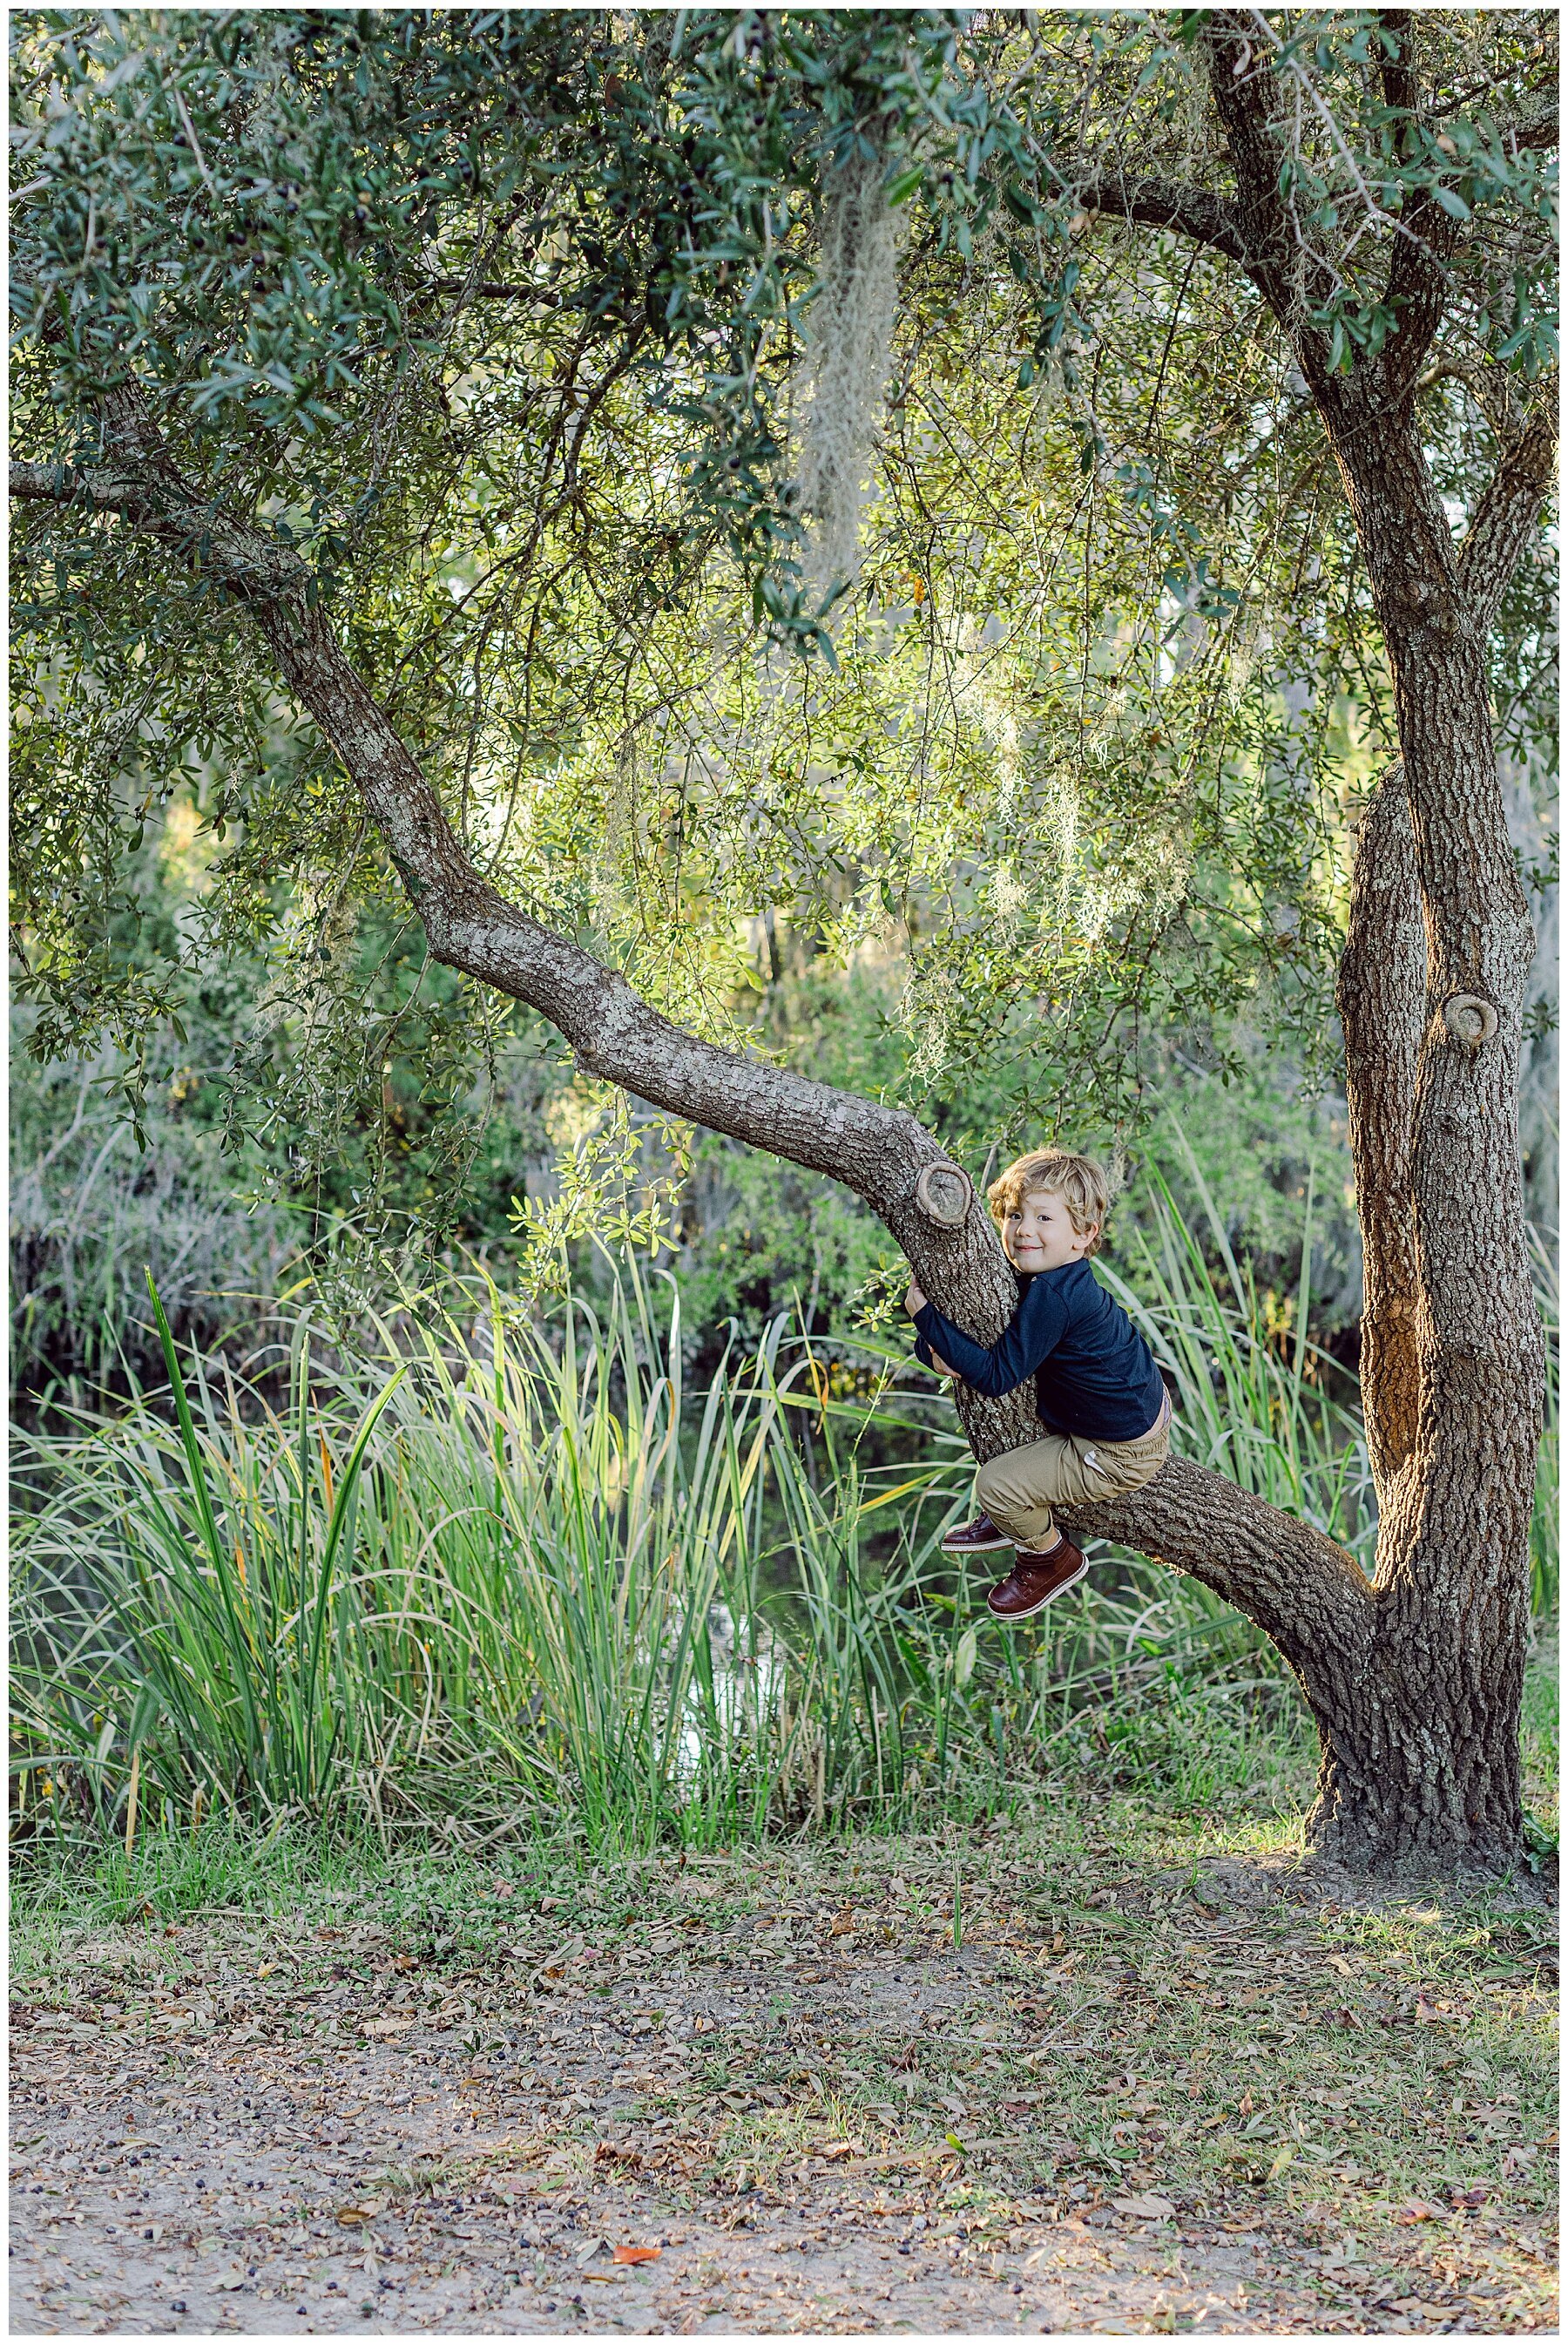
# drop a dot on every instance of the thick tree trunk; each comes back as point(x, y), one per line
point(1423, 1763)
point(1420, 1771)
point(1454, 1381)
point(1384, 1008)
point(1420, 1724)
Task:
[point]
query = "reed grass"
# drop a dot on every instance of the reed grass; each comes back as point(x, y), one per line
point(501, 1574)
point(1253, 1391)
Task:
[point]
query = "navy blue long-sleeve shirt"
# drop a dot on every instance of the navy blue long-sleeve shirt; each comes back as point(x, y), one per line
point(1094, 1374)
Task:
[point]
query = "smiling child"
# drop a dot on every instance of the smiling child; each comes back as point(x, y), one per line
point(1096, 1387)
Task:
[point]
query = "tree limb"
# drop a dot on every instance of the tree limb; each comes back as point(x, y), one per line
point(1424, 244)
point(1308, 1595)
point(1292, 1580)
point(882, 1153)
point(1191, 211)
point(616, 1035)
point(1282, 255)
point(1533, 126)
point(1507, 513)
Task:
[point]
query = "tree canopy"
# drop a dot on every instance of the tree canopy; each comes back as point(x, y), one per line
point(555, 345)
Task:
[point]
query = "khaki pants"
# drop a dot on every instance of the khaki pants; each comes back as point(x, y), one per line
point(1019, 1488)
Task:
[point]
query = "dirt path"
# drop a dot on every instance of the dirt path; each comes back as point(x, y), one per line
point(241, 2125)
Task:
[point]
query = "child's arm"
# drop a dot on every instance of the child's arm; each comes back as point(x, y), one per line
point(913, 1300)
point(1033, 1334)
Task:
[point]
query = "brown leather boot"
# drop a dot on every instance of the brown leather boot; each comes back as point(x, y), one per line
point(1033, 1580)
point(980, 1537)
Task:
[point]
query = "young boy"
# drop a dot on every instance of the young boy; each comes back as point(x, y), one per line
point(1096, 1383)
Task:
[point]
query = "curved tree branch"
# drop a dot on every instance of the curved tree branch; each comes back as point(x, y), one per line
point(1534, 127)
point(879, 1151)
point(1417, 290)
point(1507, 513)
point(1307, 1594)
point(1282, 255)
point(1294, 1581)
point(1172, 204)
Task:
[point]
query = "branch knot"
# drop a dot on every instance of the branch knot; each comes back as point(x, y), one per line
point(1470, 1019)
point(944, 1193)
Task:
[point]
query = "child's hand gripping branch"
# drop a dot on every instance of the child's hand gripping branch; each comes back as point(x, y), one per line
point(915, 1300)
point(1096, 1383)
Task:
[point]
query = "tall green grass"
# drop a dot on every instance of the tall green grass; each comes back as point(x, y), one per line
point(1253, 1391)
point(485, 1574)
point(499, 1573)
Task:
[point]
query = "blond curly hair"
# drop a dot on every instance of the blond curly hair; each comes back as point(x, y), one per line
point(1078, 1180)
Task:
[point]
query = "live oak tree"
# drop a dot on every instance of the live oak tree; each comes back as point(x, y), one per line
point(396, 398)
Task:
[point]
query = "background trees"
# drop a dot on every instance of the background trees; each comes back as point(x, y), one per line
point(482, 404)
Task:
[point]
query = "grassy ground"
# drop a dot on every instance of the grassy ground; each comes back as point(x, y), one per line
point(1540, 1734)
point(1115, 2064)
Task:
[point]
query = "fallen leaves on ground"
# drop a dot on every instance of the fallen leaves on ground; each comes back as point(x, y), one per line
point(459, 2117)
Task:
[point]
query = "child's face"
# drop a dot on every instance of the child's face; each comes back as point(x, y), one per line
point(1038, 1234)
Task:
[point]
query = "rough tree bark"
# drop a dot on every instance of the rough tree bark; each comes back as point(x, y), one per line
point(1414, 1681)
point(1424, 1767)
point(1462, 1377)
point(1380, 995)
point(1383, 1005)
